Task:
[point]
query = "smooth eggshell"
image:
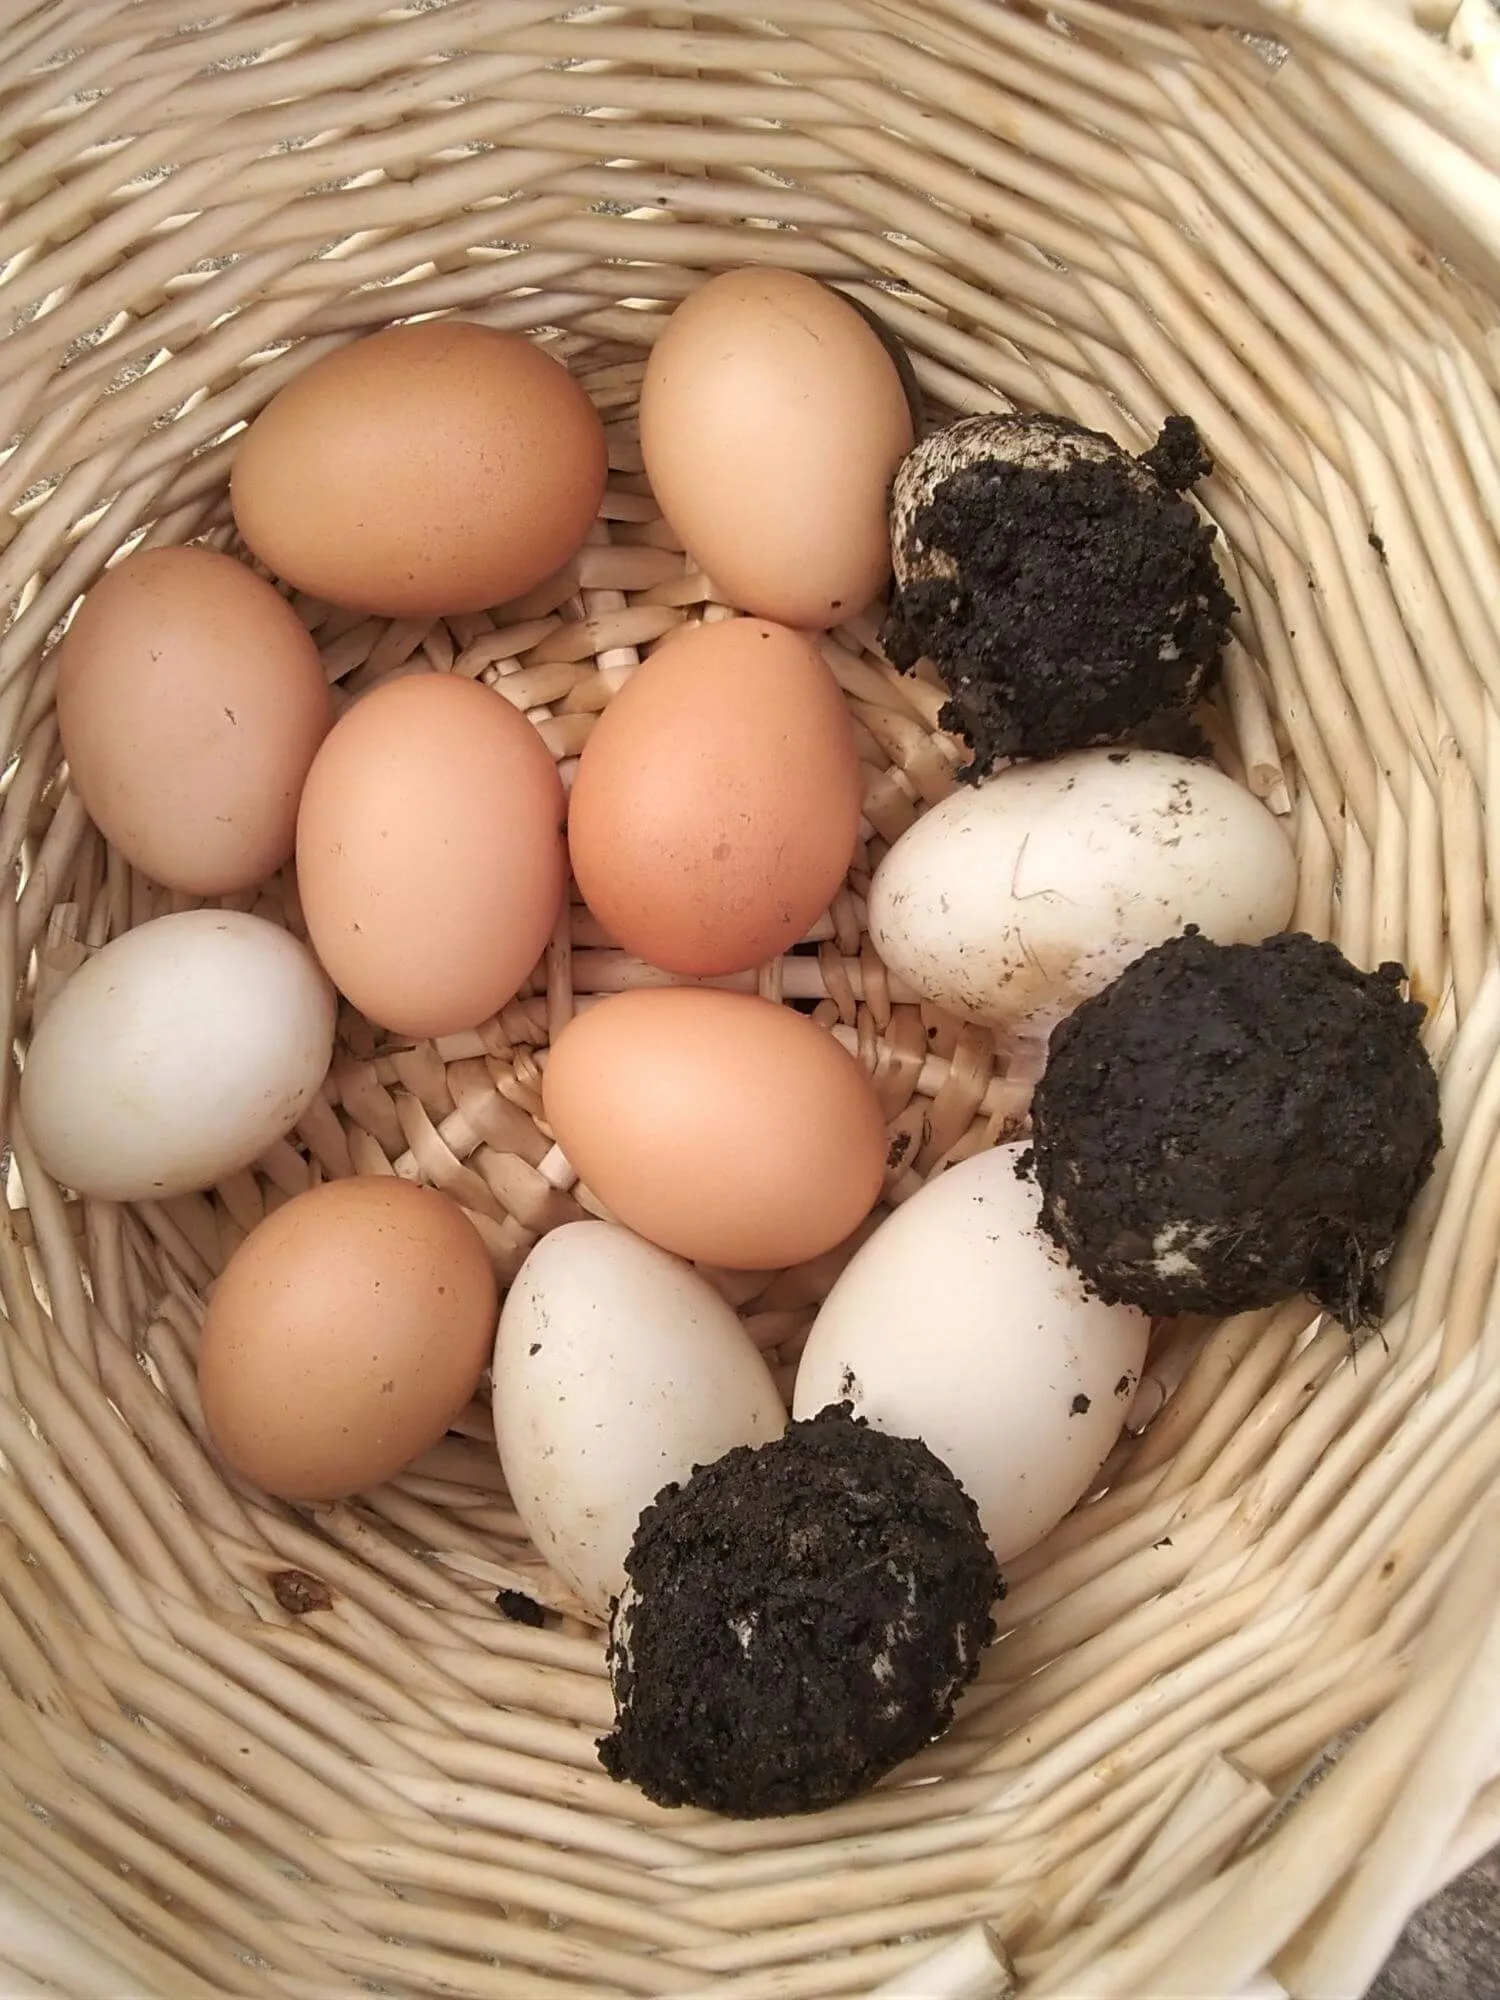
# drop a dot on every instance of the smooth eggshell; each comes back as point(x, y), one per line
point(617, 1370)
point(1013, 900)
point(429, 468)
point(190, 702)
point(346, 1333)
point(177, 1055)
point(717, 801)
point(959, 1323)
point(430, 854)
point(772, 423)
point(718, 1125)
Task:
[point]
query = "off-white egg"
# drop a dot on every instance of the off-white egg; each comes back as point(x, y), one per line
point(1013, 900)
point(617, 1370)
point(177, 1055)
point(959, 1323)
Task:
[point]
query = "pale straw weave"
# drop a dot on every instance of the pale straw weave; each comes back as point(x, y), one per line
point(247, 1750)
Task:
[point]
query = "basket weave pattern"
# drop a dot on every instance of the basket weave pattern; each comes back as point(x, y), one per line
point(251, 1750)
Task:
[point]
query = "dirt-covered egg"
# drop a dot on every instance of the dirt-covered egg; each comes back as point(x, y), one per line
point(345, 1334)
point(718, 1125)
point(435, 467)
point(430, 854)
point(1065, 590)
point(617, 1370)
point(772, 422)
point(190, 703)
point(176, 1055)
point(1012, 900)
point(958, 1322)
point(1226, 1125)
point(717, 801)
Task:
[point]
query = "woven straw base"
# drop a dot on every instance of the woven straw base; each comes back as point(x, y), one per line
point(259, 1751)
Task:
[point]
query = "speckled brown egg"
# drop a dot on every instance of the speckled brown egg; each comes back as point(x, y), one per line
point(344, 1336)
point(190, 702)
point(717, 1125)
point(429, 468)
point(717, 802)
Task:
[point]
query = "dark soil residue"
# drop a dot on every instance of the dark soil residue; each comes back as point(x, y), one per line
point(1065, 603)
point(800, 1618)
point(519, 1608)
point(1227, 1125)
point(298, 1592)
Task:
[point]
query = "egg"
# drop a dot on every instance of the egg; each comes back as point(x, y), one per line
point(176, 1055)
point(344, 1336)
point(190, 702)
point(430, 853)
point(959, 1323)
point(717, 801)
point(617, 1370)
point(772, 423)
point(1013, 900)
point(429, 468)
point(718, 1125)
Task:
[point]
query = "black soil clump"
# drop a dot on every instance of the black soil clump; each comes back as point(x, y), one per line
point(1066, 591)
point(1227, 1125)
point(800, 1617)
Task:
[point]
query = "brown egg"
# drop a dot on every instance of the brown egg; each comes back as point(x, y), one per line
point(429, 468)
point(716, 804)
point(718, 1125)
point(430, 853)
point(190, 702)
point(772, 423)
point(344, 1336)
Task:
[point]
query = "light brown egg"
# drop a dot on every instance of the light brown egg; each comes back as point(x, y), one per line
point(717, 802)
point(717, 1125)
point(430, 853)
point(344, 1336)
point(772, 423)
point(430, 468)
point(190, 702)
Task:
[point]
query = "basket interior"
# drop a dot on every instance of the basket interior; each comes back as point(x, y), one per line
point(257, 1750)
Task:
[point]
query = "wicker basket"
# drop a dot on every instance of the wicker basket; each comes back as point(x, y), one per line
point(251, 1750)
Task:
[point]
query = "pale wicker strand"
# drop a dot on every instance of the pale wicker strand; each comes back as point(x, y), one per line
point(1275, 1890)
point(1366, 1919)
point(971, 1968)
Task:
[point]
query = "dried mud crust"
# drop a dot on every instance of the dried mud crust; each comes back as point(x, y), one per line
point(800, 1617)
point(1226, 1125)
point(1065, 590)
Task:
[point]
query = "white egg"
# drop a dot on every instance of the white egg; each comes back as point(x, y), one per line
point(618, 1369)
point(959, 1323)
point(1013, 900)
point(176, 1055)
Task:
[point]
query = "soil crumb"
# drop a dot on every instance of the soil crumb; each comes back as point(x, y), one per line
point(519, 1608)
point(1227, 1125)
point(1066, 591)
point(298, 1592)
point(799, 1618)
